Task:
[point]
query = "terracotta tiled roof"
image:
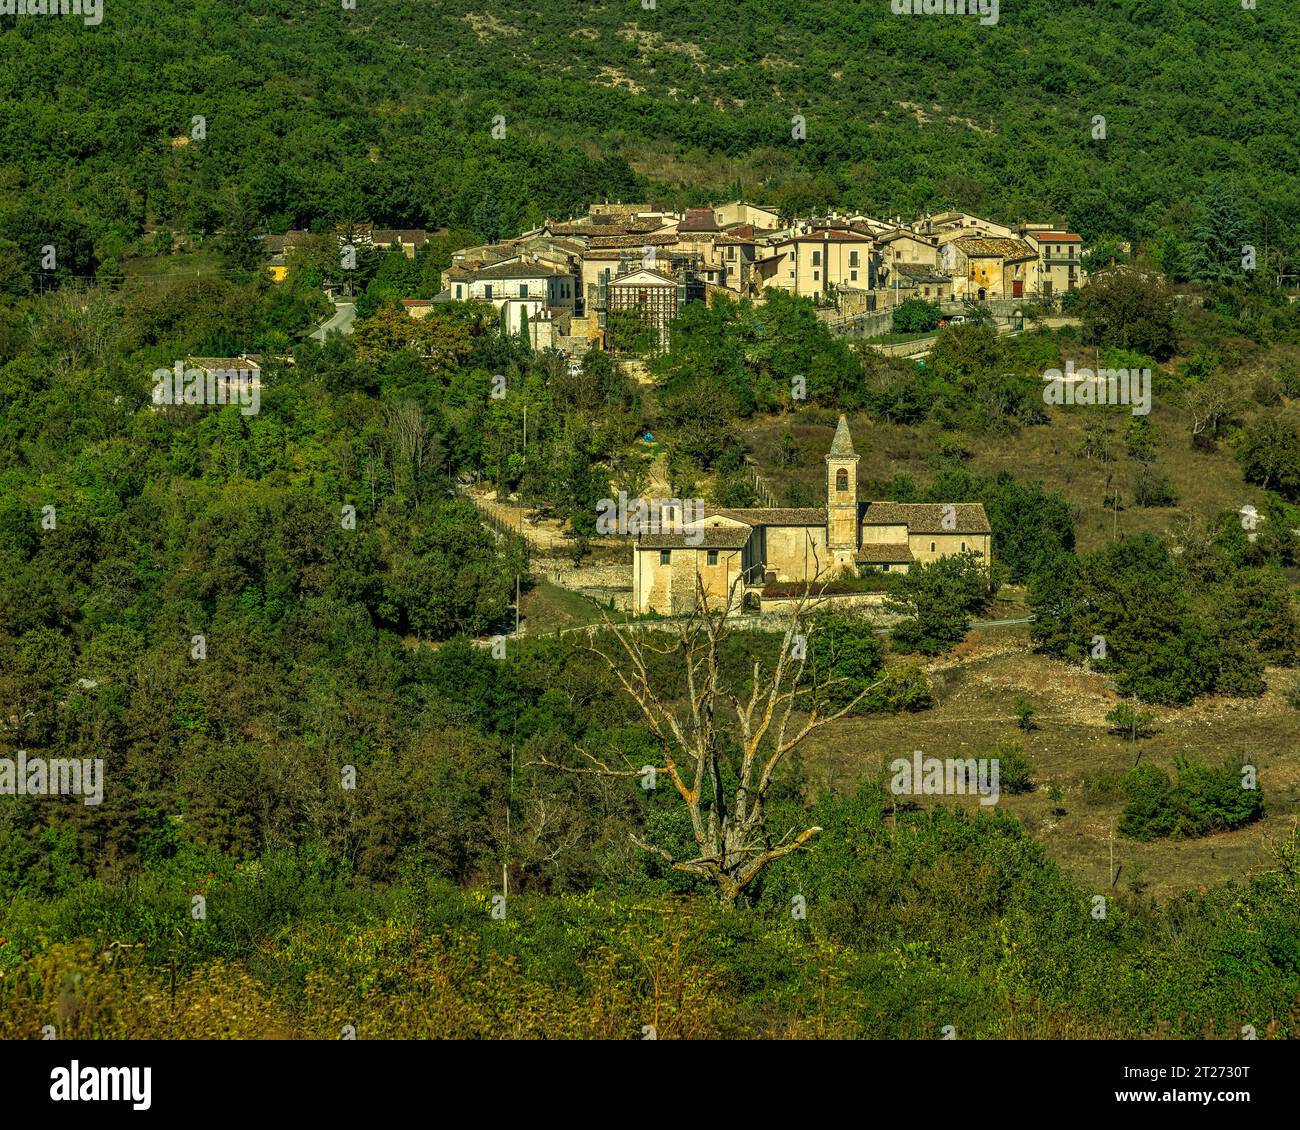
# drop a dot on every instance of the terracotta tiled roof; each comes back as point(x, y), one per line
point(927, 517)
point(714, 537)
point(900, 234)
point(659, 240)
point(226, 364)
point(919, 272)
point(519, 271)
point(832, 235)
point(774, 516)
point(699, 220)
point(385, 236)
point(985, 247)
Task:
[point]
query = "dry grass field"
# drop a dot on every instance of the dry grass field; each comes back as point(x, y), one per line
point(975, 691)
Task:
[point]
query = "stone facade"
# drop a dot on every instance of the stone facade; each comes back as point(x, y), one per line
point(737, 551)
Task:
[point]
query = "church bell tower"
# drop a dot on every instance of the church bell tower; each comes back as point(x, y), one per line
point(841, 499)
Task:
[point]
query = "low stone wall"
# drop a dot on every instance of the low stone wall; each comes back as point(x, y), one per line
point(620, 599)
point(561, 572)
point(868, 602)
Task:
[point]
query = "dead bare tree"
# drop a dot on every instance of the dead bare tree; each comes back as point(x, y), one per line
point(1212, 403)
point(408, 434)
point(732, 838)
point(78, 327)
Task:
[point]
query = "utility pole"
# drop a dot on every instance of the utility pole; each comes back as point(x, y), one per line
point(521, 534)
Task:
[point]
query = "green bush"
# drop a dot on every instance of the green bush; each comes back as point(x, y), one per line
point(1025, 715)
point(1203, 800)
point(1015, 774)
point(902, 688)
point(1151, 810)
point(1130, 722)
point(916, 316)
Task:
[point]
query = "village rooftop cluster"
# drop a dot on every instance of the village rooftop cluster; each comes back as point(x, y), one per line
point(561, 282)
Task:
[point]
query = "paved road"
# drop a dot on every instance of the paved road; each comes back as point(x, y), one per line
point(341, 320)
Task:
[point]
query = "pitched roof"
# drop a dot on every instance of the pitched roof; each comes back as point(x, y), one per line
point(709, 537)
point(919, 272)
point(223, 364)
point(773, 516)
point(632, 278)
point(1057, 236)
point(883, 553)
point(417, 236)
point(842, 444)
point(982, 247)
point(927, 517)
point(519, 271)
point(699, 220)
point(660, 239)
point(831, 235)
point(900, 233)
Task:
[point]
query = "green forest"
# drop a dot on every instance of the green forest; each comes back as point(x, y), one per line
point(386, 111)
point(288, 635)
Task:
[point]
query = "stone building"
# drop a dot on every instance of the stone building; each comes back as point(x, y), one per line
point(735, 551)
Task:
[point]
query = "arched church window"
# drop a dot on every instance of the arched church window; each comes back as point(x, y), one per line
point(841, 479)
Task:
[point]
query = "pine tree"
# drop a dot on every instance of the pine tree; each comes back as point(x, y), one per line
point(1214, 251)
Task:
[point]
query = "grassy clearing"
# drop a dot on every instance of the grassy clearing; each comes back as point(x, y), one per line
point(975, 691)
point(549, 608)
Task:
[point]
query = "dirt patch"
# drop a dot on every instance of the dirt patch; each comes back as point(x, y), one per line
point(610, 76)
point(489, 27)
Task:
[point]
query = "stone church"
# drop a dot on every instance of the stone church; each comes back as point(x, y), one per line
point(814, 543)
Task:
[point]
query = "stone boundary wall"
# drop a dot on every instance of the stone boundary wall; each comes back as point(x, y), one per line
point(561, 572)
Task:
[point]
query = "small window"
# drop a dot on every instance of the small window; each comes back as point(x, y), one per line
point(816, 275)
point(713, 557)
point(963, 547)
point(817, 258)
point(487, 291)
point(853, 258)
point(841, 479)
point(523, 290)
point(665, 557)
point(932, 547)
point(853, 276)
point(458, 290)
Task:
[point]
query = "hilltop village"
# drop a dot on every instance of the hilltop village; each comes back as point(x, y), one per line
point(567, 283)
